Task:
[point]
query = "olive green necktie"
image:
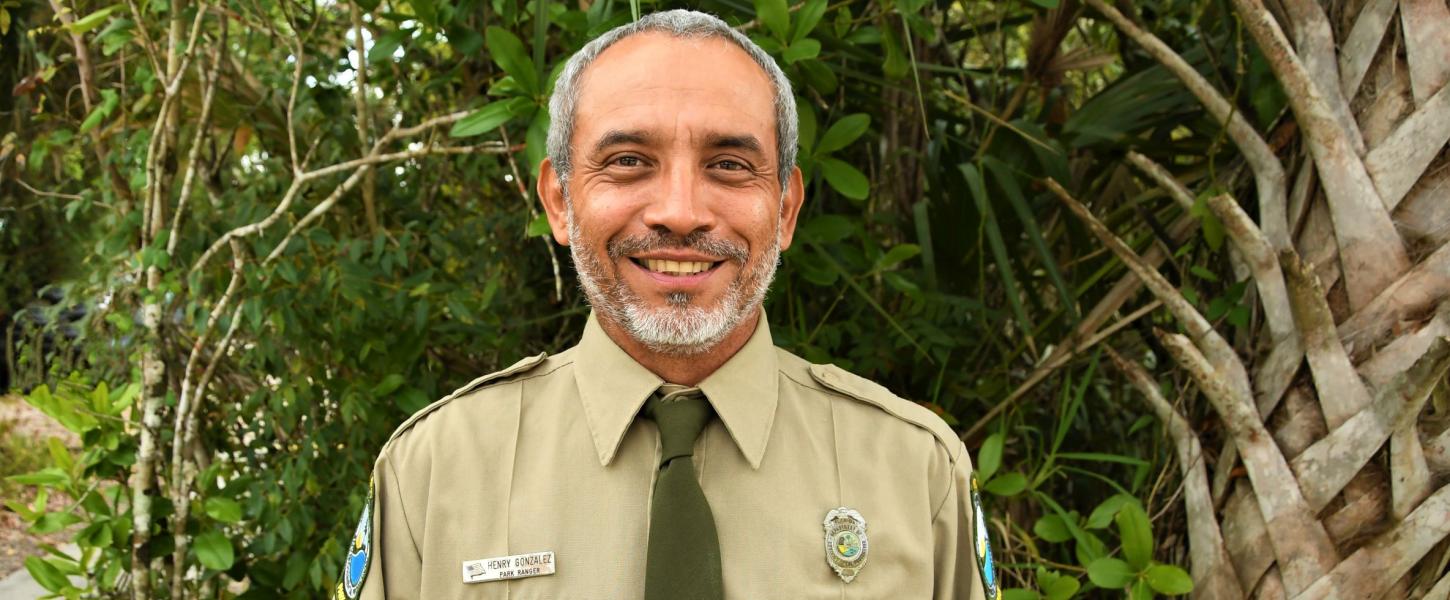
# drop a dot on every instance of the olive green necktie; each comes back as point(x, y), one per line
point(684, 551)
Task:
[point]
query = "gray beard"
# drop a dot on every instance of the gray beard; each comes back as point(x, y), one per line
point(681, 328)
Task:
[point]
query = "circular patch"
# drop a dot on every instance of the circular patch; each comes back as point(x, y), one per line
point(848, 546)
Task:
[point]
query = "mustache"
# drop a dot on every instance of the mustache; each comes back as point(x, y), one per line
point(700, 241)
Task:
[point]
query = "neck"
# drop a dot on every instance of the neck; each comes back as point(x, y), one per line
point(688, 369)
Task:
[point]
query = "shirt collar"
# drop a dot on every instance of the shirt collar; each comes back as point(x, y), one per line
point(613, 387)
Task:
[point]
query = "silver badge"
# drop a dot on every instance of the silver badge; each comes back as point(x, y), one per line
point(846, 544)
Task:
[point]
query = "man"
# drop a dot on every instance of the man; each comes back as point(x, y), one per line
point(674, 453)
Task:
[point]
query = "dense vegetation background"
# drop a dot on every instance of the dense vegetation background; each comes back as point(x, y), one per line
point(244, 239)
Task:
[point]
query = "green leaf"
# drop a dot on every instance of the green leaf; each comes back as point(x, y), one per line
point(91, 21)
point(384, 48)
point(1136, 532)
point(895, 64)
point(1111, 573)
point(806, 131)
point(214, 551)
point(850, 182)
point(1141, 590)
point(46, 574)
point(388, 384)
point(806, 19)
point(995, 240)
point(842, 133)
point(802, 50)
point(1203, 273)
point(1051, 528)
point(1062, 589)
point(508, 51)
point(102, 111)
point(539, 226)
point(411, 400)
point(896, 255)
point(1213, 231)
point(488, 118)
point(1168, 580)
point(989, 458)
point(426, 11)
point(1047, 4)
point(536, 141)
point(826, 229)
point(1103, 515)
point(225, 510)
point(368, 5)
point(820, 77)
point(1056, 586)
point(53, 521)
point(775, 15)
point(1007, 180)
point(50, 476)
point(1019, 594)
point(1006, 484)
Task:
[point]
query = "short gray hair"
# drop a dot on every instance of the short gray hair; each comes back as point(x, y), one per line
point(679, 24)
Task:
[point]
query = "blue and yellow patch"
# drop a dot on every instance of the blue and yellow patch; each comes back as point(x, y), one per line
point(983, 545)
point(359, 554)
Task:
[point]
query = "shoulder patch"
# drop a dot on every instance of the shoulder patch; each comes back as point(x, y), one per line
point(855, 386)
point(359, 554)
point(514, 369)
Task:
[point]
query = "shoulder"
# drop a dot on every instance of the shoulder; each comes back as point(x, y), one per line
point(848, 386)
point(485, 389)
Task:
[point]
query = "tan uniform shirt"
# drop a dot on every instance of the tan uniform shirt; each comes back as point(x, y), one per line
point(548, 455)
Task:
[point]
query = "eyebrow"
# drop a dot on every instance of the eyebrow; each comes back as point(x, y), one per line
point(615, 137)
point(741, 142)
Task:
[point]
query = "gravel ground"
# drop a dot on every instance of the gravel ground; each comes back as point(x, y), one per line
point(15, 542)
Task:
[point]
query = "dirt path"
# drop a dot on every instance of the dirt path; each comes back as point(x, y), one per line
point(23, 434)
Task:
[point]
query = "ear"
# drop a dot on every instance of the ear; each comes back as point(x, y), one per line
point(551, 195)
point(795, 194)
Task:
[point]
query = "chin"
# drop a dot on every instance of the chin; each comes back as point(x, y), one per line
point(680, 330)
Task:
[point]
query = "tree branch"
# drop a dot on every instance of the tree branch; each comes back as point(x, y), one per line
point(1375, 567)
point(374, 157)
point(185, 426)
point(1220, 354)
point(1399, 161)
point(1329, 464)
point(1370, 249)
point(1213, 571)
point(364, 118)
point(1342, 394)
point(1412, 295)
point(1268, 171)
point(1301, 546)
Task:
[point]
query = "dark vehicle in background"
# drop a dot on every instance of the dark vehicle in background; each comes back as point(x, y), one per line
point(38, 337)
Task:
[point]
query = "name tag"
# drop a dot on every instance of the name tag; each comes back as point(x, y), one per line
point(517, 566)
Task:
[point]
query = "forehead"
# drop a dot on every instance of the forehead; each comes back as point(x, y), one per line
point(656, 82)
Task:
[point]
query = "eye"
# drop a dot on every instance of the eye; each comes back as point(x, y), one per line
point(628, 161)
point(730, 165)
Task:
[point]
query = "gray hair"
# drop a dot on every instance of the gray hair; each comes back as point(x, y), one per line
point(680, 24)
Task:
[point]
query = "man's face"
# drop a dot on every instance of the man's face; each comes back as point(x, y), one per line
point(674, 213)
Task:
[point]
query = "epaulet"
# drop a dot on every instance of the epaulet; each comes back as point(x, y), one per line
point(514, 369)
point(855, 386)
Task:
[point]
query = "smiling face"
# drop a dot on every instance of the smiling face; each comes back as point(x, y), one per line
point(674, 211)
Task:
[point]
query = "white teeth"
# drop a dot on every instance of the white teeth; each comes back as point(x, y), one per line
point(675, 267)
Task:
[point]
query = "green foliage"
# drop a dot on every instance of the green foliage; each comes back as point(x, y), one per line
point(928, 256)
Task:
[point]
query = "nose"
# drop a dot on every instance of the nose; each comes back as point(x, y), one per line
point(680, 205)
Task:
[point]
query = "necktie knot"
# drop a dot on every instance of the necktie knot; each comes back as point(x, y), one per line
point(681, 413)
